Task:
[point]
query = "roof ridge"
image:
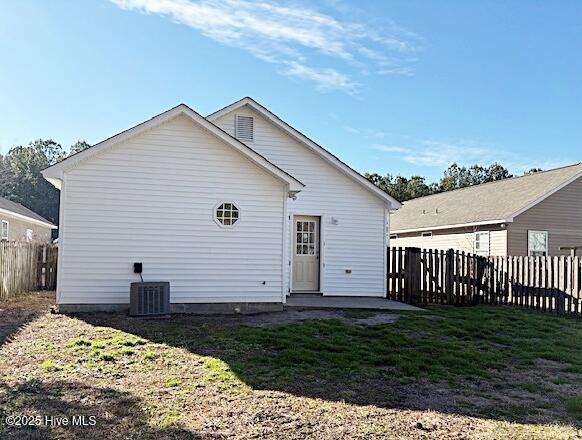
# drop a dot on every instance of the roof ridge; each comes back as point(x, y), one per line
point(286, 126)
point(493, 181)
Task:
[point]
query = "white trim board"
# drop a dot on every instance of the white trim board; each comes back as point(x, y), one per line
point(54, 174)
point(454, 226)
point(27, 218)
point(308, 143)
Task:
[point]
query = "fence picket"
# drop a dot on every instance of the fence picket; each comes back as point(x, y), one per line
point(26, 267)
point(427, 276)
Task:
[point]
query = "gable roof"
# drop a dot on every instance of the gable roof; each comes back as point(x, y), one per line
point(309, 144)
point(54, 173)
point(17, 210)
point(489, 203)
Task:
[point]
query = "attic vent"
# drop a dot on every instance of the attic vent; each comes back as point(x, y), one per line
point(149, 298)
point(244, 129)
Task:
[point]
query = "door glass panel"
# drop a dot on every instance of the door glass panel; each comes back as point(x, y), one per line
point(305, 237)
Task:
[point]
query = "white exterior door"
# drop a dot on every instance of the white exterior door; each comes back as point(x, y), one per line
point(305, 253)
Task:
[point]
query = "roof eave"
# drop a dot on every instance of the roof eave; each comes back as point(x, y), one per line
point(28, 219)
point(452, 226)
point(391, 202)
point(54, 174)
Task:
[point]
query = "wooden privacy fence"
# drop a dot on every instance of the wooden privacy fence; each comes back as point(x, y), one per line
point(26, 267)
point(551, 284)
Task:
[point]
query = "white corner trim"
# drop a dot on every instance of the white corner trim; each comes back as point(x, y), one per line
point(304, 140)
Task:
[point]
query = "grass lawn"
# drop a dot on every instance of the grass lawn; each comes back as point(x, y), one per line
point(482, 372)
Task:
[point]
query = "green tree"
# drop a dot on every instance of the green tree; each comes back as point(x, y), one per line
point(22, 182)
point(460, 177)
point(455, 177)
point(78, 146)
point(402, 188)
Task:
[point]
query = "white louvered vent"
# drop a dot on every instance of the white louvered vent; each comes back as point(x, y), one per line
point(244, 128)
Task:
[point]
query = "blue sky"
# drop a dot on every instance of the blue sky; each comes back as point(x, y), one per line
point(403, 87)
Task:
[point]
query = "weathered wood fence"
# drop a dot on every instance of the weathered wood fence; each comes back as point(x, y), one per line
point(550, 284)
point(26, 267)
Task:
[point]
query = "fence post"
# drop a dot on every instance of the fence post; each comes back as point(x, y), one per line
point(449, 274)
point(412, 274)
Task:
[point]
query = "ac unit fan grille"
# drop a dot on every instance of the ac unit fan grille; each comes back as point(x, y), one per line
point(150, 298)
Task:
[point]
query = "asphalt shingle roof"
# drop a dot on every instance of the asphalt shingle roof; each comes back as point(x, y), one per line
point(17, 208)
point(497, 200)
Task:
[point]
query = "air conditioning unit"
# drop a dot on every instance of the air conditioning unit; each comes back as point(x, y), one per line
point(149, 298)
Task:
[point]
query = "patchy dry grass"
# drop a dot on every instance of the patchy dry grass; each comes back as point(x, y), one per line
point(452, 373)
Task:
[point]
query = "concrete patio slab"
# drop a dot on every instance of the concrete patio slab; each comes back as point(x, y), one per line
point(313, 301)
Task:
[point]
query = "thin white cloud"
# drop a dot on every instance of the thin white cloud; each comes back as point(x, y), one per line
point(442, 154)
point(391, 148)
point(290, 35)
point(351, 129)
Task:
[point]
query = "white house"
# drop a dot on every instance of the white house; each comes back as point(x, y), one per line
point(238, 209)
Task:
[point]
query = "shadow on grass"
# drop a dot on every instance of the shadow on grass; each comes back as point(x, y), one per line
point(15, 314)
point(116, 415)
point(453, 360)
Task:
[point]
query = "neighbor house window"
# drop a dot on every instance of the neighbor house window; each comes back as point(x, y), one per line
point(482, 243)
point(227, 214)
point(537, 243)
point(4, 230)
point(29, 235)
point(426, 234)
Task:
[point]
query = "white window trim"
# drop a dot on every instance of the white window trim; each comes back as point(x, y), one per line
point(215, 218)
point(547, 241)
point(236, 134)
point(488, 234)
point(426, 234)
point(5, 237)
point(29, 234)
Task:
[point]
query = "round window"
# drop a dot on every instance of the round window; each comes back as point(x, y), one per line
point(227, 214)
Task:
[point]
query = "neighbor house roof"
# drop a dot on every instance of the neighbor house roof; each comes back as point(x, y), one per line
point(311, 145)
point(54, 174)
point(490, 203)
point(21, 212)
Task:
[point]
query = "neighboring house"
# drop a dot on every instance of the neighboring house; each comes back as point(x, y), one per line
point(21, 224)
point(535, 214)
point(238, 209)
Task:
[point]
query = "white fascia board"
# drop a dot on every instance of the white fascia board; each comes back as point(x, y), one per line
point(304, 140)
point(453, 226)
point(27, 218)
point(54, 174)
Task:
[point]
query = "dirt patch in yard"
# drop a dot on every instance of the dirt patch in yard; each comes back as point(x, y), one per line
point(323, 377)
point(19, 311)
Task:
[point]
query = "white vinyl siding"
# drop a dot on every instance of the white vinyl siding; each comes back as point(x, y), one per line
point(152, 200)
point(450, 239)
point(352, 219)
